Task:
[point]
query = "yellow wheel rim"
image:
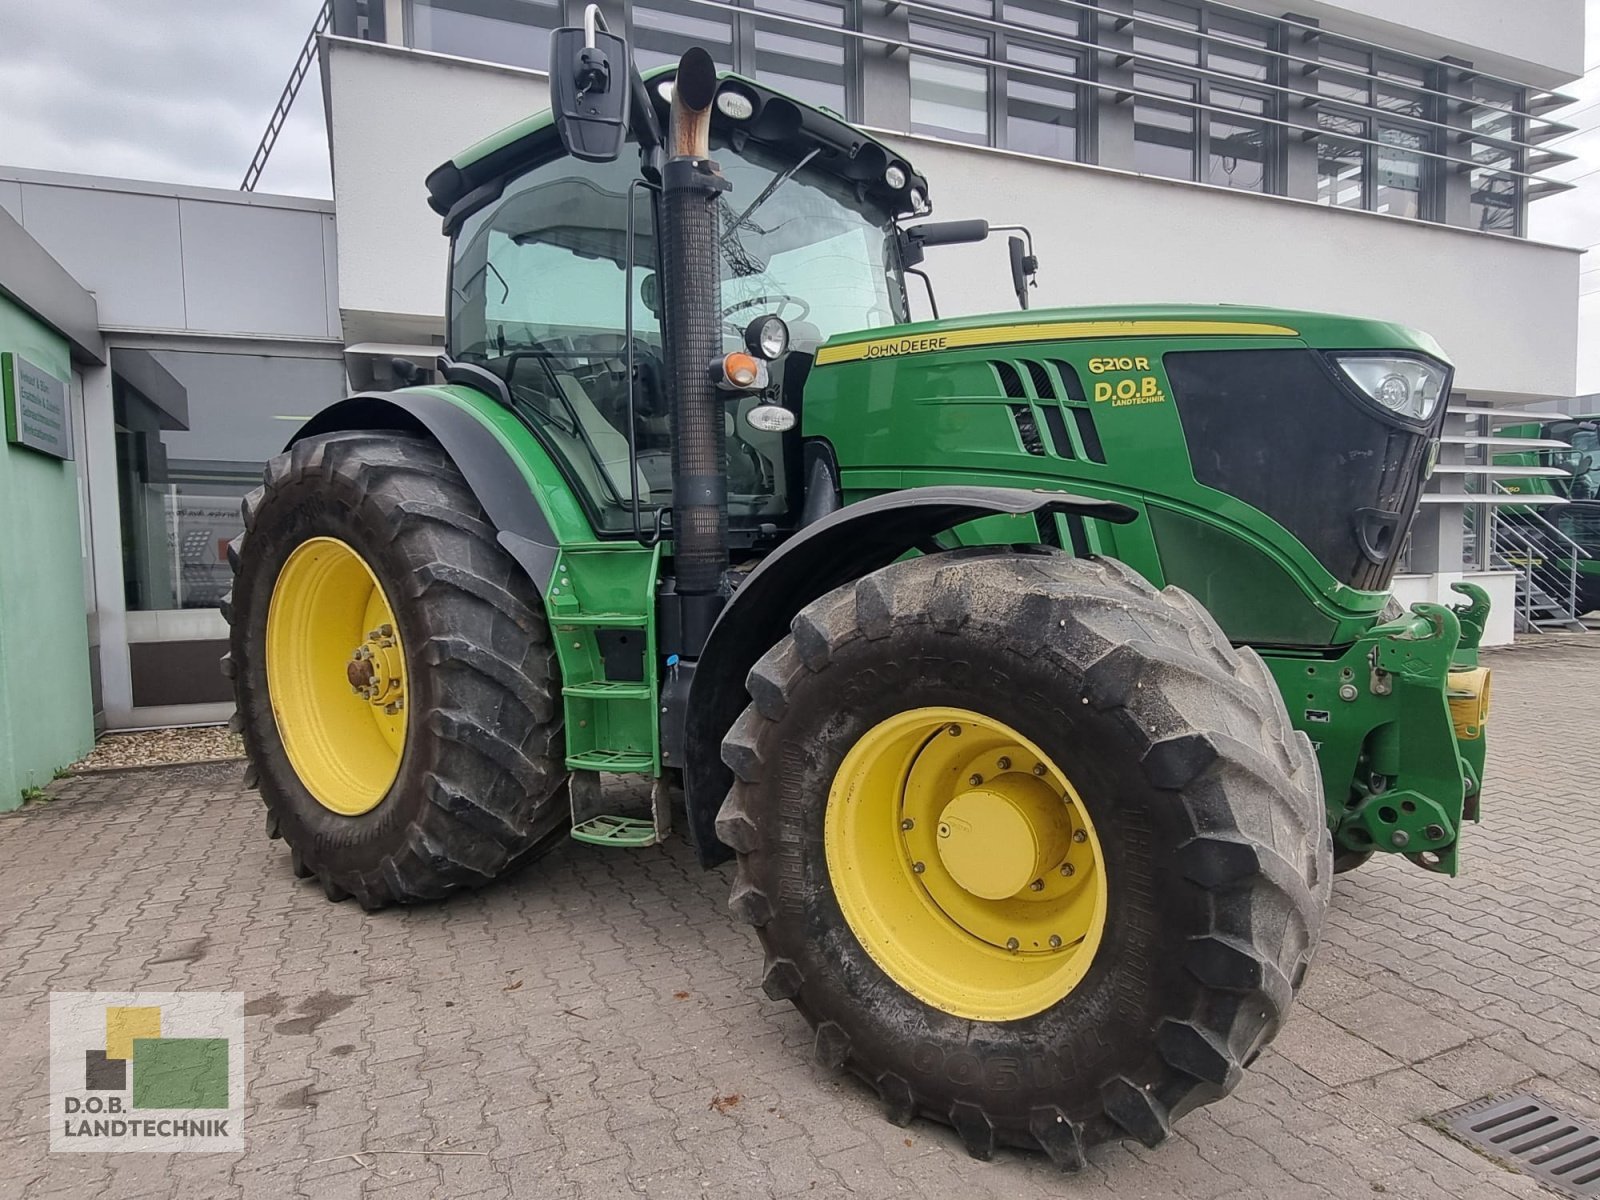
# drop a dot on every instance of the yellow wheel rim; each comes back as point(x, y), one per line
point(965, 864)
point(336, 675)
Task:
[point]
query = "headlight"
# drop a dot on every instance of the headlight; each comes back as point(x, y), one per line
point(735, 104)
point(895, 176)
point(770, 418)
point(767, 336)
point(1409, 387)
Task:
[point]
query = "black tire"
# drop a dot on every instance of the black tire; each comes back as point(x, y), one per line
point(1206, 802)
point(1350, 860)
point(479, 787)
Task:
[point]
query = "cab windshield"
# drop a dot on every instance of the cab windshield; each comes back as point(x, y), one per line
point(539, 295)
point(1583, 460)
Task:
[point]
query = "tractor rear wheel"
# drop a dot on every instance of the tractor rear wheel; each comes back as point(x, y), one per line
point(1033, 849)
point(396, 684)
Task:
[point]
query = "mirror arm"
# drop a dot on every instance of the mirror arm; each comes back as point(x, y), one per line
point(593, 20)
point(927, 283)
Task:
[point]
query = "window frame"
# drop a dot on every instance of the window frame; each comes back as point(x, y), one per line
point(991, 25)
point(1201, 76)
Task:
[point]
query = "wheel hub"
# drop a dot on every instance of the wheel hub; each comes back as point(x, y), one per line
point(376, 670)
point(1000, 837)
point(965, 863)
point(340, 712)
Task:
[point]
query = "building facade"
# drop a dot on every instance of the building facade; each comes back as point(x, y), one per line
point(49, 336)
point(218, 318)
point(1376, 157)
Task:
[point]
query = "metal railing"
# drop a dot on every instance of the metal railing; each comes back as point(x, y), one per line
point(1294, 97)
point(1546, 564)
point(297, 76)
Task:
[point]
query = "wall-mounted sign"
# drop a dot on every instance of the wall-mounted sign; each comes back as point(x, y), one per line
point(36, 407)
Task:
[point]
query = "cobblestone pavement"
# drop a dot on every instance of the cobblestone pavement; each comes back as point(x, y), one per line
point(594, 1026)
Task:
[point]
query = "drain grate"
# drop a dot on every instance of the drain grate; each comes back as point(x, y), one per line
point(1527, 1134)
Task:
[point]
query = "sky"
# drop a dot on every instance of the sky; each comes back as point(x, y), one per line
point(181, 90)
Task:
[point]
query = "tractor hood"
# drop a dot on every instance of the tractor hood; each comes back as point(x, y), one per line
point(1319, 330)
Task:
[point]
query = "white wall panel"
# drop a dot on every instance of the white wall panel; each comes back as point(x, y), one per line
point(1504, 309)
point(123, 247)
point(1532, 41)
point(255, 270)
point(395, 116)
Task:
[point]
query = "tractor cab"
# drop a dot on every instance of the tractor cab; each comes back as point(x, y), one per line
point(556, 290)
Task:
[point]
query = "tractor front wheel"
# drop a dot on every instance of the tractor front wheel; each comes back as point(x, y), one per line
point(397, 689)
point(1035, 851)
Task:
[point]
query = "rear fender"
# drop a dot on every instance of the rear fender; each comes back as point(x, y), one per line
point(839, 548)
point(489, 466)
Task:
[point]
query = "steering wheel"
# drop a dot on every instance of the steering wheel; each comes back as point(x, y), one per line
point(756, 301)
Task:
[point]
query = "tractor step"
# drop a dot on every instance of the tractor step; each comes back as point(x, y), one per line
point(619, 761)
point(620, 620)
point(611, 690)
point(616, 831)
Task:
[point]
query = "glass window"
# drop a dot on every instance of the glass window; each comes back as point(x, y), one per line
point(1345, 73)
point(538, 288)
point(537, 293)
point(516, 32)
point(1237, 47)
point(1165, 141)
point(807, 63)
point(1041, 112)
point(1497, 199)
point(1341, 163)
point(949, 98)
point(664, 29)
point(1397, 179)
point(1236, 146)
point(193, 431)
point(1158, 30)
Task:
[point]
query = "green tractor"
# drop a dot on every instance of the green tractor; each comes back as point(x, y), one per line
point(1572, 473)
point(1032, 665)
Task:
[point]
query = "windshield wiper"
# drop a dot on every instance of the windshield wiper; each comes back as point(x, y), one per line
point(766, 192)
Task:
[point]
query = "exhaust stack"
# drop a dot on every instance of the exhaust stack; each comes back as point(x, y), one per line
point(691, 270)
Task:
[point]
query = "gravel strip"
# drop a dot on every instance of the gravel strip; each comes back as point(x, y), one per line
point(160, 747)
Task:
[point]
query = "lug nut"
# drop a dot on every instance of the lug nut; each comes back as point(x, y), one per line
point(1037, 885)
point(1038, 768)
point(908, 823)
point(955, 731)
point(918, 868)
point(1013, 945)
point(1068, 869)
point(975, 780)
point(1004, 764)
point(1079, 836)
point(1055, 941)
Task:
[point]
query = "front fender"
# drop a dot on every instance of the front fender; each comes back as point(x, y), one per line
point(841, 547)
point(452, 416)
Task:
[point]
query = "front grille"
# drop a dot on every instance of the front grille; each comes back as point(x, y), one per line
point(1275, 429)
point(1057, 391)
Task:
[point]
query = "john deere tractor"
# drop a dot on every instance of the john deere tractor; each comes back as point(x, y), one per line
point(1031, 665)
point(1571, 472)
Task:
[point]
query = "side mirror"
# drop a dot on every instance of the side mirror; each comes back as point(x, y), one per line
point(589, 91)
point(1023, 267)
point(650, 293)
